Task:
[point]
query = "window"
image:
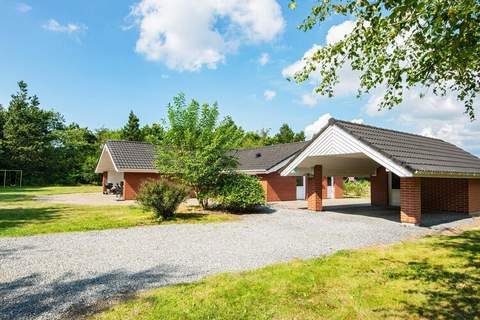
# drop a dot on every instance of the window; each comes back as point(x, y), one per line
point(329, 181)
point(395, 181)
point(299, 181)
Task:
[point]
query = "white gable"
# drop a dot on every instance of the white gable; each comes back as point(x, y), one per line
point(334, 141)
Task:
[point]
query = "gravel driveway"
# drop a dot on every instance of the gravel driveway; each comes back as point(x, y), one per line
point(63, 275)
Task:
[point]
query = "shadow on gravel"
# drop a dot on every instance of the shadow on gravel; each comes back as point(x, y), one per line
point(29, 298)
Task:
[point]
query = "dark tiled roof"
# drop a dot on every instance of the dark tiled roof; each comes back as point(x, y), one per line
point(414, 152)
point(132, 154)
point(264, 158)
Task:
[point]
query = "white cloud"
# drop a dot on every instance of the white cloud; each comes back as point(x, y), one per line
point(269, 95)
point(264, 59)
point(359, 121)
point(70, 28)
point(349, 80)
point(23, 7)
point(186, 35)
point(339, 31)
point(310, 99)
point(432, 116)
point(318, 125)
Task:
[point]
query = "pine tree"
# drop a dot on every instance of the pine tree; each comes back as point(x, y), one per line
point(131, 131)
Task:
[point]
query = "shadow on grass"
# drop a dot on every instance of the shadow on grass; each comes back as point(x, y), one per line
point(14, 197)
point(15, 217)
point(451, 291)
point(31, 297)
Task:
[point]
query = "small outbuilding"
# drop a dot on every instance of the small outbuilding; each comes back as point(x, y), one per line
point(413, 172)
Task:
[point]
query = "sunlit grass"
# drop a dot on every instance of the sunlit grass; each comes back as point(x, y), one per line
point(21, 215)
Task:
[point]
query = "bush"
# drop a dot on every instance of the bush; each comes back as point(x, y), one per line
point(239, 192)
point(162, 197)
point(356, 189)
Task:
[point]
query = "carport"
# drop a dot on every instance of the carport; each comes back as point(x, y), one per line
point(413, 172)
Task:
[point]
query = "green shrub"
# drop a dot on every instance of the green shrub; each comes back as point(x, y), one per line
point(162, 197)
point(356, 189)
point(239, 192)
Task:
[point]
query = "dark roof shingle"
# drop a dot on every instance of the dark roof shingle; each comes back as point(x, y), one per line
point(132, 154)
point(414, 152)
point(264, 158)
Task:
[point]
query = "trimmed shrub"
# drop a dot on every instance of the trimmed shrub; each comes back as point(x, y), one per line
point(239, 192)
point(356, 189)
point(162, 197)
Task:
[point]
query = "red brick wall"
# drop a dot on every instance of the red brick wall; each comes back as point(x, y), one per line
point(379, 188)
point(474, 195)
point(324, 187)
point(445, 194)
point(133, 181)
point(338, 187)
point(278, 188)
point(410, 200)
point(315, 195)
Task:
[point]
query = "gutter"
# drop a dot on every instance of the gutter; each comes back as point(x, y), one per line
point(434, 174)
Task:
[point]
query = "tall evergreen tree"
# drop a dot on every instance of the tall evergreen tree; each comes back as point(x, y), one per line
point(29, 134)
point(131, 131)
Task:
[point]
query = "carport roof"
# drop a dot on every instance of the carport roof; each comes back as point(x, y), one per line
point(419, 154)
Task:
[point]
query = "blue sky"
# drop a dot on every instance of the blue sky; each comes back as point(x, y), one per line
point(94, 61)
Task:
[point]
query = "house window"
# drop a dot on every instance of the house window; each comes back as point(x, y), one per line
point(395, 181)
point(329, 181)
point(299, 181)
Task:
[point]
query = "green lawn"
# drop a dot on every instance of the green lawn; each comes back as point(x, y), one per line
point(21, 215)
point(432, 278)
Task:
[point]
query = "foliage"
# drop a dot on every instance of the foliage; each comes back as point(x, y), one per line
point(402, 44)
point(50, 151)
point(29, 134)
point(356, 189)
point(239, 192)
point(262, 138)
point(432, 278)
point(22, 215)
point(286, 135)
point(162, 197)
point(195, 146)
point(131, 131)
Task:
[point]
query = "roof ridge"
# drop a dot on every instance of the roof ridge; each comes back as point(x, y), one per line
point(129, 141)
point(271, 145)
point(389, 130)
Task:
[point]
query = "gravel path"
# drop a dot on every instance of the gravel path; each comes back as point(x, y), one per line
point(63, 275)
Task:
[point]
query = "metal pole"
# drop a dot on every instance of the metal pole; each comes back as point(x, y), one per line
point(4, 179)
point(21, 175)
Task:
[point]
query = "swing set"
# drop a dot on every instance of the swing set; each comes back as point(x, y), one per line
point(11, 178)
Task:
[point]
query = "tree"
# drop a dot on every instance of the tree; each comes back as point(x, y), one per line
point(29, 135)
point(253, 139)
point(153, 133)
point(400, 44)
point(195, 147)
point(131, 131)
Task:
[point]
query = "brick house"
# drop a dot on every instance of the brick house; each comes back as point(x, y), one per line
point(413, 172)
point(267, 162)
point(132, 163)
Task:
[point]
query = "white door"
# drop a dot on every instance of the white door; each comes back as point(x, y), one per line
point(393, 189)
point(330, 193)
point(300, 188)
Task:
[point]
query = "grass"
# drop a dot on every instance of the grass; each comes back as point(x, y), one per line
point(436, 277)
point(356, 189)
point(21, 215)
